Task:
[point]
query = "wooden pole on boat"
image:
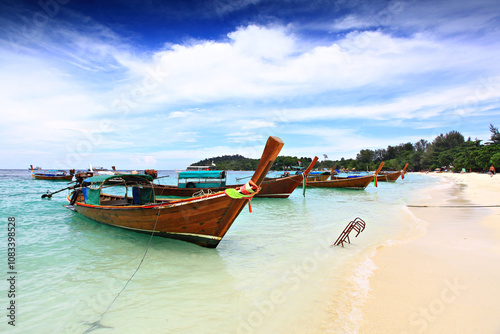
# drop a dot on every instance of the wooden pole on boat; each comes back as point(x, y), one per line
point(379, 168)
point(404, 169)
point(271, 151)
point(49, 194)
point(311, 166)
point(306, 172)
point(403, 172)
point(376, 172)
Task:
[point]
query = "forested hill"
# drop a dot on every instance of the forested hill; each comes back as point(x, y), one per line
point(449, 150)
point(230, 162)
point(239, 162)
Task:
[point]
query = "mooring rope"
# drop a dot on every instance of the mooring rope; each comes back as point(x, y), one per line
point(97, 324)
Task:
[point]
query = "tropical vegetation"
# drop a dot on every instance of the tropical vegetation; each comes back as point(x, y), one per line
point(450, 151)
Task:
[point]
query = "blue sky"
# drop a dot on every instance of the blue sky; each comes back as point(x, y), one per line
point(162, 84)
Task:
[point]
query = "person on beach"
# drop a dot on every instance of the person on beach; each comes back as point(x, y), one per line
point(492, 171)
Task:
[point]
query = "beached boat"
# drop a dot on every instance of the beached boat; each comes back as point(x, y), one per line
point(391, 177)
point(202, 220)
point(360, 182)
point(193, 182)
point(53, 175)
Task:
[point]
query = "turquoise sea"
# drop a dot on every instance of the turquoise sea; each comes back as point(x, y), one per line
point(274, 272)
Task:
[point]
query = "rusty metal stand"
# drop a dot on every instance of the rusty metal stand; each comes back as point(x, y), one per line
point(357, 225)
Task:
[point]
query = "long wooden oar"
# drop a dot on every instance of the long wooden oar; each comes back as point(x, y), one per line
point(49, 194)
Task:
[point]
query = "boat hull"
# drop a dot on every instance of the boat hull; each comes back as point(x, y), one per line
point(53, 178)
point(281, 187)
point(389, 177)
point(276, 188)
point(202, 221)
point(359, 183)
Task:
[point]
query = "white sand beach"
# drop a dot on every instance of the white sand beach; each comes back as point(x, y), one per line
point(446, 281)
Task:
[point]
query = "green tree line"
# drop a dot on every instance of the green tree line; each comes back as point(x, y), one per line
point(449, 150)
point(238, 162)
point(446, 150)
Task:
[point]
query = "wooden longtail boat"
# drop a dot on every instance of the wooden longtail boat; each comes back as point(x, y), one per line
point(53, 175)
point(391, 177)
point(334, 170)
point(201, 220)
point(280, 187)
point(360, 182)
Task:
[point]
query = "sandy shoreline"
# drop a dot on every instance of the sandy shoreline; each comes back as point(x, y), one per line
point(447, 280)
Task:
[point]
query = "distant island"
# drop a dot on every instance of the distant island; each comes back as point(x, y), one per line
point(450, 151)
point(239, 162)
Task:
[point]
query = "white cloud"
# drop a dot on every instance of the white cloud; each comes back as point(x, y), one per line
point(144, 162)
point(180, 114)
point(350, 22)
point(244, 137)
point(266, 43)
point(254, 124)
point(237, 89)
point(458, 101)
point(244, 68)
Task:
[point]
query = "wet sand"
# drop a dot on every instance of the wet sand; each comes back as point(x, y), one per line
point(448, 280)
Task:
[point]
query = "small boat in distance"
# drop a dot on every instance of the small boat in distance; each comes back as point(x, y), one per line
point(102, 171)
point(391, 177)
point(360, 182)
point(194, 182)
point(53, 175)
point(202, 220)
point(152, 172)
point(199, 168)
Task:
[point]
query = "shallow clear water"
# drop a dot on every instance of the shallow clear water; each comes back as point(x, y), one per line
point(274, 271)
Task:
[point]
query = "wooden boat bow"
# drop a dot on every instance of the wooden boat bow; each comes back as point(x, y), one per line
point(203, 220)
point(379, 169)
point(271, 151)
point(404, 169)
point(311, 166)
